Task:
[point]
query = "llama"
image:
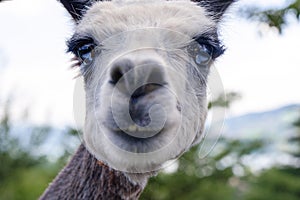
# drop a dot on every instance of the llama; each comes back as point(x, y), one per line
point(145, 65)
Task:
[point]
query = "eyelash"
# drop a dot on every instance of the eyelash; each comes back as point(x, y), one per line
point(213, 48)
point(216, 49)
point(85, 45)
point(74, 44)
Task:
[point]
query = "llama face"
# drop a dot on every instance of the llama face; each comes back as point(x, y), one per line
point(145, 66)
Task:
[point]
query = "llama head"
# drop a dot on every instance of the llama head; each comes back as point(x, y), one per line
point(145, 66)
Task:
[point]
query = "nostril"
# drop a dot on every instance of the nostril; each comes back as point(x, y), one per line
point(139, 112)
point(137, 80)
point(116, 75)
point(119, 69)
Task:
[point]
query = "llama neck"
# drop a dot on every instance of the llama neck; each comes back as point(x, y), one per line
point(86, 178)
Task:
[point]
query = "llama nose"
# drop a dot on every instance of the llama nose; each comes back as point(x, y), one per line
point(137, 80)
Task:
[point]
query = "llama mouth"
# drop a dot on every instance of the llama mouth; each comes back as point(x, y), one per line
point(131, 143)
point(132, 137)
point(138, 131)
point(145, 128)
point(140, 127)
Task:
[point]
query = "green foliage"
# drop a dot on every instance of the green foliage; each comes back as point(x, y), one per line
point(183, 186)
point(297, 123)
point(276, 184)
point(224, 101)
point(203, 178)
point(282, 182)
point(28, 182)
point(24, 175)
point(295, 140)
point(276, 18)
point(11, 156)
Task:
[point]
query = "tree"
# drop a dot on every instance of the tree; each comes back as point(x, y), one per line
point(221, 175)
point(281, 182)
point(276, 18)
point(296, 139)
point(275, 184)
point(23, 174)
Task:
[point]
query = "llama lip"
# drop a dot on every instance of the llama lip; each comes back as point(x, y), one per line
point(135, 128)
point(136, 131)
point(140, 134)
point(133, 144)
point(132, 138)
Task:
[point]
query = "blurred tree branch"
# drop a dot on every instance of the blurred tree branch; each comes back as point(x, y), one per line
point(225, 101)
point(274, 18)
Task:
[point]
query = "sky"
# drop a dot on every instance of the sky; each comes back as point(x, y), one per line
point(35, 74)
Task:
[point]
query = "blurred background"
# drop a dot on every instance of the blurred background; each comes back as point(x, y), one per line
point(257, 156)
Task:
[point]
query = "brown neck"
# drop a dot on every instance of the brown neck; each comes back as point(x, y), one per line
point(86, 178)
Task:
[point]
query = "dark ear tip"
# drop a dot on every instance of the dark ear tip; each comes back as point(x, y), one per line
point(76, 8)
point(216, 8)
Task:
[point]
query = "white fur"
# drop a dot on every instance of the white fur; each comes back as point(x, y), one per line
point(126, 29)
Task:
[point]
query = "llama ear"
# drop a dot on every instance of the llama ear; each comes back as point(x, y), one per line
point(216, 8)
point(77, 8)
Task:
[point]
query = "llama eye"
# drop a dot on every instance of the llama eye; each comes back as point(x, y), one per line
point(201, 53)
point(86, 53)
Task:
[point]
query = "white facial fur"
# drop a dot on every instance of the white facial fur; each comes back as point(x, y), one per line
point(139, 31)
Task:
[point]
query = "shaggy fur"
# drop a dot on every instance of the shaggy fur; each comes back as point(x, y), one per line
point(146, 41)
point(86, 176)
point(77, 8)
